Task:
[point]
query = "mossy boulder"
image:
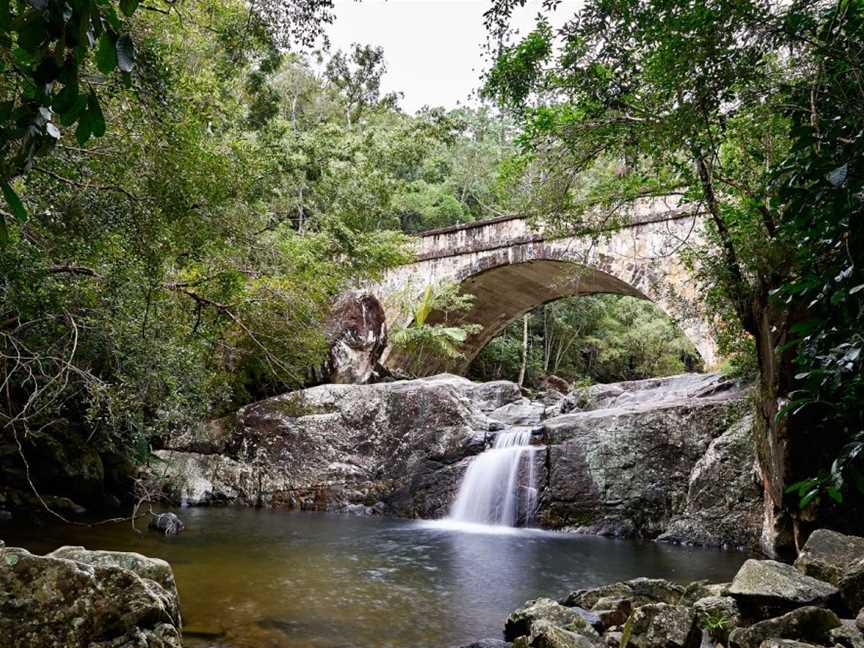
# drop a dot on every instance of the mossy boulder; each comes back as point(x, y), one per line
point(79, 598)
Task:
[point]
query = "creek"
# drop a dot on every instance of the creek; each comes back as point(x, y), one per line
point(250, 578)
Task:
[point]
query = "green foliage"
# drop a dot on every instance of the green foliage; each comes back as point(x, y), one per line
point(604, 338)
point(422, 341)
point(44, 50)
point(820, 185)
point(750, 111)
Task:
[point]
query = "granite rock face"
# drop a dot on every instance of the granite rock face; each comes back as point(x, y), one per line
point(837, 559)
point(640, 459)
point(75, 597)
point(778, 585)
point(357, 333)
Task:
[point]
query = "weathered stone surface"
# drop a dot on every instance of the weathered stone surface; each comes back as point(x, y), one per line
point(401, 448)
point(837, 559)
point(511, 266)
point(768, 582)
point(784, 643)
point(724, 501)
point(167, 523)
point(702, 589)
point(73, 597)
point(487, 643)
point(719, 615)
point(636, 592)
point(660, 625)
point(808, 623)
point(626, 469)
point(847, 635)
point(357, 332)
point(859, 620)
point(522, 621)
point(544, 634)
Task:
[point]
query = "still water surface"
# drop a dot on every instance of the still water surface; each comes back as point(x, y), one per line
point(256, 578)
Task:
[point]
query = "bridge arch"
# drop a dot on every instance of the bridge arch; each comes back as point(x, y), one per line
point(512, 268)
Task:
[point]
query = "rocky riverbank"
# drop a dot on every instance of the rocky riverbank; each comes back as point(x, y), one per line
point(669, 458)
point(817, 602)
point(98, 599)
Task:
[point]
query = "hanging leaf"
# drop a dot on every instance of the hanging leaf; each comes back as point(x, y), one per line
point(14, 202)
point(128, 7)
point(125, 53)
point(95, 116)
point(106, 54)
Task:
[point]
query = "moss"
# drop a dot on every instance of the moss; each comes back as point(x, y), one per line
point(296, 406)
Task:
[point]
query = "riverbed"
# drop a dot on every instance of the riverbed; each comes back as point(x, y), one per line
point(259, 578)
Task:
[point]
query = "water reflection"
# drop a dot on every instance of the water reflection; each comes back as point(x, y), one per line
point(260, 578)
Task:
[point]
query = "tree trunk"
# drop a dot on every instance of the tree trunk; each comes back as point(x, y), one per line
point(525, 319)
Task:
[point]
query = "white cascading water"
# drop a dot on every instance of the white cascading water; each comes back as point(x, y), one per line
point(490, 491)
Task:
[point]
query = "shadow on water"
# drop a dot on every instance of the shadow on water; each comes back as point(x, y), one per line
point(260, 578)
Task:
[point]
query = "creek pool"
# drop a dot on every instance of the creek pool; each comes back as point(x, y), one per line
point(257, 578)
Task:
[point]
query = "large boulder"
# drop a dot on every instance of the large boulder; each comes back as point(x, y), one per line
point(768, 583)
point(638, 591)
point(356, 330)
point(724, 500)
point(545, 634)
point(837, 559)
point(522, 621)
point(661, 625)
point(719, 615)
point(626, 468)
point(809, 624)
point(73, 597)
point(399, 448)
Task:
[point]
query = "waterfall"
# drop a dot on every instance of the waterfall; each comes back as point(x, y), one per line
point(491, 492)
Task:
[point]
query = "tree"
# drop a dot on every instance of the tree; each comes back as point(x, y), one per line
point(670, 97)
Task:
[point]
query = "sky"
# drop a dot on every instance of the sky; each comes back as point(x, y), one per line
point(433, 48)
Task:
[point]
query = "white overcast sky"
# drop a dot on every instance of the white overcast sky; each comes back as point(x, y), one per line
point(432, 47)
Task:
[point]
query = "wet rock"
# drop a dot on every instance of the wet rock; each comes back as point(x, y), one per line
point(521, 413)
point(771, 583)
point(859, 620)
point(356, 330)
point(812, 624)
point(487, 643)
point(77, 598)
point(638, 591)
point(522, 621)
point(837, 559)
point(544, 634)
point(660, 625)
point(167, 523)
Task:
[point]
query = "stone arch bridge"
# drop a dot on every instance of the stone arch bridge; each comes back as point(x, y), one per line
point(512, 266)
